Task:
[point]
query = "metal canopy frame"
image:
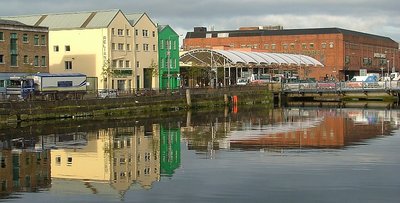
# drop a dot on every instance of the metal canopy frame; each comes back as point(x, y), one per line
point(238, 60)
point(220, 58)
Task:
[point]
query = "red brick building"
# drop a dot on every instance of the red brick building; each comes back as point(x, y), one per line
point(343, 52)
point(23, 50)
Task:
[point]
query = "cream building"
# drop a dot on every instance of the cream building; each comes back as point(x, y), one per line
point(105, 45)
point(146, 49)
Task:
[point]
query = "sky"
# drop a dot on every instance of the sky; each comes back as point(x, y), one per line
point(379, 17)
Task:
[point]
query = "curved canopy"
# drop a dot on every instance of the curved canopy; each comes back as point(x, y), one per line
point(210, 57)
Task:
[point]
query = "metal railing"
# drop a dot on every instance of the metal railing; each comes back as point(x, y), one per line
point(341, 86)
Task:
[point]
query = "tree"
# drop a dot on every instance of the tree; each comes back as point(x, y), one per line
point(107, 71)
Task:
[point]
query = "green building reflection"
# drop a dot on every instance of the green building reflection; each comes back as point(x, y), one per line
point(170, 150)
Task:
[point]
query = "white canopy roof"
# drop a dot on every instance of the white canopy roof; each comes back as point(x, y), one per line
point(220, 57)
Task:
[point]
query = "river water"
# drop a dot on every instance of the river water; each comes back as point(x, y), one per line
point(245, 154)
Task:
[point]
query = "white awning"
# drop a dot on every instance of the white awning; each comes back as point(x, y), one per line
point(210, 57)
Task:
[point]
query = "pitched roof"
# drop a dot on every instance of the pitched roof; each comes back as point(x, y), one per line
point(73, 20)
point(133, 18)
point(10, 22)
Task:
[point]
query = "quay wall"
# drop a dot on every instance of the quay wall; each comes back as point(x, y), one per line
point(200, 98)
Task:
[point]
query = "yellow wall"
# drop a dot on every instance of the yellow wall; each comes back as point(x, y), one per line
point(85, 53)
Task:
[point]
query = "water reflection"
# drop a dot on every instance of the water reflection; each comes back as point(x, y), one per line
point(109, 158)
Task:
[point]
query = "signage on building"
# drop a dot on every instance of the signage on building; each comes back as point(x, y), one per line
point(379, 55)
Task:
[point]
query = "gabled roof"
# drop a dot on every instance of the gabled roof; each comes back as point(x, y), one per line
point(73, 20)
point(134, 18)
point(164, 27)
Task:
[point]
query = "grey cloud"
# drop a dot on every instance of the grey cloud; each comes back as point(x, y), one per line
point(379, 17)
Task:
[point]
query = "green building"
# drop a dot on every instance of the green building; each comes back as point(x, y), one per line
point(170, 150)
point(168, 57)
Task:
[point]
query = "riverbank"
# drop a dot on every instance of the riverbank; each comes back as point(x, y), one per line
point(135, 105)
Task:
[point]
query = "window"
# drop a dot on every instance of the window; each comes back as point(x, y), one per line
point(112, 31)
point(120, 46)
point(331, 45)
point(311, 45)
point(43, 61)
point(14, 60)
point(113, 47)
point(304, 45)
point(114, 63)
point(136, 32)
point(56, 48)
point(154, 47)
point(120, 32)
point(36, 61)
point(323, 45)
point(127, 64)
point(26, 59)
point(266, 46)
point(1, 36)
point(292, 46)
point(1, 58)
point(128, 47)
point(2, 83)
point(162, 44)
point(68, 65)
point(137, 47)
point(36, 40)
point(120, 63)
point(145, 33)
point(64, 84)
point(273, 46)
point(69, 161)
point(128, 33)
point(43, 40)
point(137, 64)
point(58, 160)
point(154, 33)
point(25, 38)
point(67, 48)
point(145, 47)
point(285, 46)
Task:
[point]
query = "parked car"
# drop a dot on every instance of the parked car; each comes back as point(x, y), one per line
point(108, 93)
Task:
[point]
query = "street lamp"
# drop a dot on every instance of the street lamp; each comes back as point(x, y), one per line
point(388, 61)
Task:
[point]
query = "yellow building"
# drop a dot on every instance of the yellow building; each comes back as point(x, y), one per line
point(116, 51)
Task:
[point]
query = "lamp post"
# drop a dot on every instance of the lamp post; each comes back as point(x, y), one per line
point(387, 62)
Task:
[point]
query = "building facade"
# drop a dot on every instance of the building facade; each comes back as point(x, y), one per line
point(168, 57)
point(343, 52)
point(23, 50)
point(104, 45)
point(146, 50)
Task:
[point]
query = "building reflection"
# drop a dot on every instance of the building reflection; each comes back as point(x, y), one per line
point(293, 129)
point(23, 168)
point(121, 157)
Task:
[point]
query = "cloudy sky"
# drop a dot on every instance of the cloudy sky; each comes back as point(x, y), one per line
point(381, 17)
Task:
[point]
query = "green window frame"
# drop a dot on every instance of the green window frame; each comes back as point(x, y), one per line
point(25, 38)
point(36, 61)
point(36, 40)
point(43, 61)
point(43, 40)
point(1, 36)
